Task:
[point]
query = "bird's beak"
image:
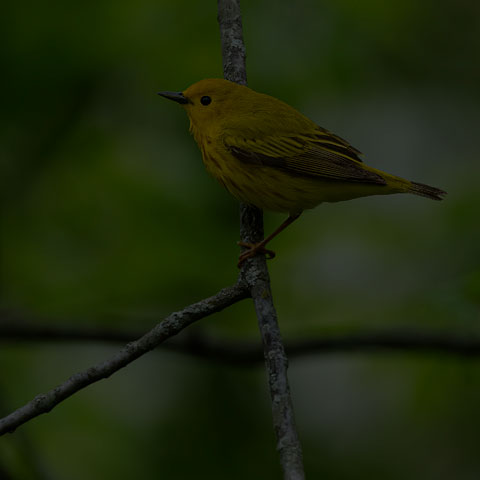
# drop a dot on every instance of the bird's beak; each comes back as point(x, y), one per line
point(175, 96)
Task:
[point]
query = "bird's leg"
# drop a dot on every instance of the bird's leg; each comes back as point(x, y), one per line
point(259, 248)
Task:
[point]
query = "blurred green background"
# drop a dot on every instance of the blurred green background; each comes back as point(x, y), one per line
point(108, 218)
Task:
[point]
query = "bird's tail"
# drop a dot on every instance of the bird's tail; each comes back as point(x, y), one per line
point(426, 191)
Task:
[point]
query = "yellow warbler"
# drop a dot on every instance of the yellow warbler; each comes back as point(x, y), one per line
point(267, 154)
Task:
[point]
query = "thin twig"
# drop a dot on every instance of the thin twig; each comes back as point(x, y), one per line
point(255, 273)
point(246, 353)
point(170, 326)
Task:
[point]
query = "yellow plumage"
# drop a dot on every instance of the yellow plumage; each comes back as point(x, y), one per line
point(268, 154)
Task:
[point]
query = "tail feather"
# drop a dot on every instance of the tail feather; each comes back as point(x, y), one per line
point(426, 191)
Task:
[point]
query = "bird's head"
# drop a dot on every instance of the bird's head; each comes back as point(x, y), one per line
point(209, 103)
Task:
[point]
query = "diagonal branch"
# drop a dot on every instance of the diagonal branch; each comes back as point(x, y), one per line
point(170, 326)
point(255, 273)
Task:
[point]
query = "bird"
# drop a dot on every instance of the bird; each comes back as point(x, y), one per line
point(268, 154)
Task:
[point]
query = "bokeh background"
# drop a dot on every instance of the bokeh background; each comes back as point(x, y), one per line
point(109, 219)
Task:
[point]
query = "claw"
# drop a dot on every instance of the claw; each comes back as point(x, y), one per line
point(254, 249)
point(259, 248)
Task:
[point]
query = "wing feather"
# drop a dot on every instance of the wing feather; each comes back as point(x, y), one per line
point(318, 155)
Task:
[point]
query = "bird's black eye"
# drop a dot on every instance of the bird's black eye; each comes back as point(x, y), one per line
point(206, 100)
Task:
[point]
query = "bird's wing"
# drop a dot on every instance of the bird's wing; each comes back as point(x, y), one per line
point(320, 154)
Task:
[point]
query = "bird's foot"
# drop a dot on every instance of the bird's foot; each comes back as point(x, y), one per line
point(254, 249)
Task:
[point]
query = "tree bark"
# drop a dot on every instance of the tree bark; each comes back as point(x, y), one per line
point(254, 271)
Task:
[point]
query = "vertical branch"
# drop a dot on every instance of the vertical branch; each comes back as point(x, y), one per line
point(255, 273)
point(233, 48)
